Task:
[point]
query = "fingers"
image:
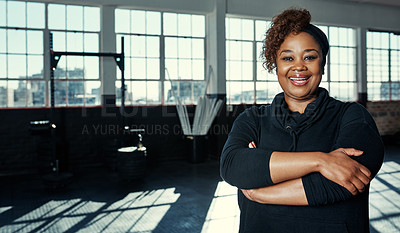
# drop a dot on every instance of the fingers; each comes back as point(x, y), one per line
point(247, 194)
point(365, 171)
point(252, 145)
point(351, 151)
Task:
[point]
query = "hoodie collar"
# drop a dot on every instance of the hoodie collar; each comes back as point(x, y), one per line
point(286, 119)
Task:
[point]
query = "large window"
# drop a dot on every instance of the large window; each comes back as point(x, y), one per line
point(76, 29)
point(340, 71)
point(246, 79)
point(383, 66)
point(22, 78)
point(162, 49)
point(249, 82)
point(21, 54)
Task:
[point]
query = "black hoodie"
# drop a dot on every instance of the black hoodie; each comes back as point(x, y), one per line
point(326, 124)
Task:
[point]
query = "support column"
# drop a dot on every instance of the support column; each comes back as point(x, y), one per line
point(216, 56)
point(216, 49)
point(362, 66)
point(108, 66)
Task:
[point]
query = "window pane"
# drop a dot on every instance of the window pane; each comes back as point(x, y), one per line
point(3, 66)
point(395, 91)
point(138, 46)
point(3, 15)
point(235, 70)
point(198, 69)
point(59, 42)
point(153, 46)
point(92, 93)
point(75, 93)
point(16, 66)
point(92, 18)
point(35, 15)
point(198, 48)
point(3, 92)
point(153, 93)
point(16, 41)
point(247, 51)
point(35, 42)
point(35, 66)
point(374, 91)
point(172, 69)
point(266, 91)
point(153, 23)
point(3, 40)
point(74, 42)
point(184, 48)
point(247, 70)
point(17, 93)
point(395, 68)
point(60, 72)
point(121, 19)
point(234, 50)
point(184, 25)
point(334, 36)
point(75, 67)
point(16, 14)
point(139, 68)
point(153, 71)
point(36, 93)
point(394, 41)
point(185, 69)
point(198, 26)
point(170, 24)
point(138, 22)
point(91, 42)
point(171, 49)
point(74, 18)
point(261, 92)
point(91, 67)
point(247, 29)
point(261, 29)
point(139, 92)
point(234, 29)
point(56, 16)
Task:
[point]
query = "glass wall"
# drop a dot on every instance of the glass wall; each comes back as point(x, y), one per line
point(248, 81)
point(162, 49)
point(76, 29)
point(21, 54)
point(383, 66)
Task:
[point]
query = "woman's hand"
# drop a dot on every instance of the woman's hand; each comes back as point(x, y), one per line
point(338, 167)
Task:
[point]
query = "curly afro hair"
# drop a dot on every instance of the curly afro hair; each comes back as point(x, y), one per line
point(292, 20)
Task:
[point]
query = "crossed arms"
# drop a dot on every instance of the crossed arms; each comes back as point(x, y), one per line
point(303, 178)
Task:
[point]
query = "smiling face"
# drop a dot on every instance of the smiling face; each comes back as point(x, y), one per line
point(299, 69)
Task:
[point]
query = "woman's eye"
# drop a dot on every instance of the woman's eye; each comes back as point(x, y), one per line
point(287, 58)
point(308, 58)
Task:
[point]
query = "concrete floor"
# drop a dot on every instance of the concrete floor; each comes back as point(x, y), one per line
point(174, 197)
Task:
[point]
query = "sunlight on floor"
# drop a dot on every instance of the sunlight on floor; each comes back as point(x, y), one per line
point(137, 212)
point(223, 214)
point(384, 199)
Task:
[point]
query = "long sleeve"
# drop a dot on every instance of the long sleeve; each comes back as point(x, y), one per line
point(241, 166)
point(357, 130)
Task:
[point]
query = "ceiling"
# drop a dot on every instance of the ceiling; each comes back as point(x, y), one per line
point(380, 2)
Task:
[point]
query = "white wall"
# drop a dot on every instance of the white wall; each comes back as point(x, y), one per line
point(336, 12)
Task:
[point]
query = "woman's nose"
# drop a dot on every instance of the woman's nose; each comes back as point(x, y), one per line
point(299, 65)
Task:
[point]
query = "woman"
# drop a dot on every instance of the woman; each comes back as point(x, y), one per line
point(303, 163)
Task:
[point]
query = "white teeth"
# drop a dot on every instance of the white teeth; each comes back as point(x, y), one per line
point(298, 79)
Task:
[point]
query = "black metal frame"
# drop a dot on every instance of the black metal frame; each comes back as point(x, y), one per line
point(55, 57)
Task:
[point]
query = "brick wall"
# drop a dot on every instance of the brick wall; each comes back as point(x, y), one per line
point(386, 116)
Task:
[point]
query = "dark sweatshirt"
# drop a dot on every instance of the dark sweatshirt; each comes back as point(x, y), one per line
point(326, 124)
